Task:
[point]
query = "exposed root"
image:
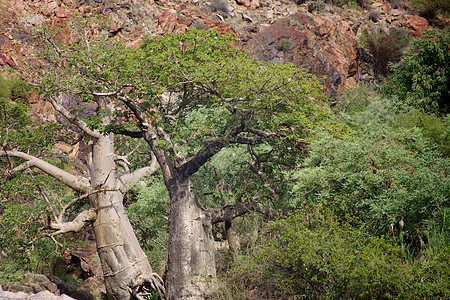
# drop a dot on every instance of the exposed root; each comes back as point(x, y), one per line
point(143, 287)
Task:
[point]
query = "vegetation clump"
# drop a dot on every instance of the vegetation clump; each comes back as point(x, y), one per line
point(385, 47)
point(422, 78)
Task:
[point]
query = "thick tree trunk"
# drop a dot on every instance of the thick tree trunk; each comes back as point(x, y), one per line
point(191, 262)
point(122, 259)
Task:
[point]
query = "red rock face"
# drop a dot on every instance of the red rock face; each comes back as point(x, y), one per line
point(324, 46)
point(416, 23)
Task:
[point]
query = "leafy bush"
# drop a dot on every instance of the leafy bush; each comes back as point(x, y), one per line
point(284, 44)
point(13, 87)
point(314, 254)
point(429, 8)
point(434, 128)
point(422, 78)
point(389, 175)
point(385, 47)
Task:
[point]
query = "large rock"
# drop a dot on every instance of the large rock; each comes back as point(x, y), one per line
point(324, 46)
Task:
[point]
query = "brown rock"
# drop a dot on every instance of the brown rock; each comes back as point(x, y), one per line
point(252, 4)
point(324, 46)
point(62, 13)
point(167, 22)
point(416, 23)
point(47, 9)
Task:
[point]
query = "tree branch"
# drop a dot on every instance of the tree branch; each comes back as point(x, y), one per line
point(210, 148)
point(76, 225)
point(74, 119)
point(125, 181)
point(78, 183)
point(230, 212)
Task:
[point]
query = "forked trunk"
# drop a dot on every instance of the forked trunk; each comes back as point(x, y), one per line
point(122, 259)
point(191, 263)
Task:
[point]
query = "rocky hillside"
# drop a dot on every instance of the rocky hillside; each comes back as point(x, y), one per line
point(317, 36)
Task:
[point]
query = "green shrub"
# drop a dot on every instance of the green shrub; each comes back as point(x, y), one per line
point(315, 255)
point(385, 47)
point(435, 128)
point(5, 88)
point(284, 44)
point(422, 78)
point(385, 173)
point(430, 8)
point(13, 88)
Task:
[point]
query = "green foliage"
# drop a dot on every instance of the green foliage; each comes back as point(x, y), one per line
point(388, 175)
point(23, 211)
point(314, 254)
point(284, 44)
point(422, 78)
point(12, 87)
point(17, 129)
point(430, 8)
point(385, 47)
point(352, 100)
point(148, 214)
point(433, 127)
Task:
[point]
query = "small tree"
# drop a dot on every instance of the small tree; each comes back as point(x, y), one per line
point(422, 78)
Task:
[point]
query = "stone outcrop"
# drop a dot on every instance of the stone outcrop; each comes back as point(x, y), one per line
point(42, 287)
point(324, 46)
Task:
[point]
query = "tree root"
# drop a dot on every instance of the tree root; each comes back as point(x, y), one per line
point(142, 288)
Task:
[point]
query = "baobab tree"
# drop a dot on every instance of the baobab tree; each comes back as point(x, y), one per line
point(189, 96)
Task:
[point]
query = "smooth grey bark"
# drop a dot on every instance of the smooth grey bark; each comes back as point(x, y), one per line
point(122, 259)
point(191, 260)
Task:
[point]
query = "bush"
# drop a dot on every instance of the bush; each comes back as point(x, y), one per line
point(433, 127)
point(430, 8)
point(284, 44)
point(422, 78)
point(314, 254)
point(385, 47)
point(387, 174)
point(13, 88)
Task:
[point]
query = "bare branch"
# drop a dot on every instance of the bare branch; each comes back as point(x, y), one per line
point(78, 183)
point(76, 225)
point(74, 119)
point(230, 212)
point(125, 181)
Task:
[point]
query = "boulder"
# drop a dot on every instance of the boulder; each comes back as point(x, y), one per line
point(324, 46)
point(416, 23)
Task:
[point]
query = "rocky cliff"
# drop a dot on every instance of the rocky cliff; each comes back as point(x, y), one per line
point(316, 36)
